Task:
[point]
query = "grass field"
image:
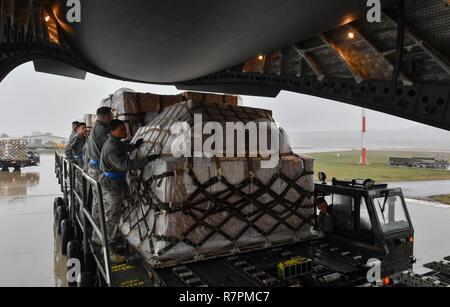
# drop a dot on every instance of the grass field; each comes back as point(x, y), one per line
point(445, 199)
point(344, 165)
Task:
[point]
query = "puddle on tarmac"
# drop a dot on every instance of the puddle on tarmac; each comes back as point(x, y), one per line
point(17, 183)
point(29, 254)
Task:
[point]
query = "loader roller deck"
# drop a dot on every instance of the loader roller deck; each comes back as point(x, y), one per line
point(259, 269)
point(255, 269)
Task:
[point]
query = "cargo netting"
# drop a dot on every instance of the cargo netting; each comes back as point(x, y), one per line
point(186, 209)
point(13, 150)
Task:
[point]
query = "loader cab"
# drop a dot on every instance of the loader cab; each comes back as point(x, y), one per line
point(372, 217)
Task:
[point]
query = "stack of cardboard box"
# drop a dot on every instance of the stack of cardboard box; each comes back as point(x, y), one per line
point(139, 109)
point(13, 150)
point(182, 208)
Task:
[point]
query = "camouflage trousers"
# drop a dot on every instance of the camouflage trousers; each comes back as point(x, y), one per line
point(78, 180)
point(95, 173)
point(113, 202)
point(78, 189)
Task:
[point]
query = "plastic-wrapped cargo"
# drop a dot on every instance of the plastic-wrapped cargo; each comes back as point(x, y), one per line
point(12, 150)
point(90, 120)
point(139, 109)
point(184, 209)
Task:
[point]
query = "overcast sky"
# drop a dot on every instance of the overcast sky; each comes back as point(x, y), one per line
point(32, 101)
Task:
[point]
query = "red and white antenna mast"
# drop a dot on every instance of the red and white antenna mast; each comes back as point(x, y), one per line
point(363, 139)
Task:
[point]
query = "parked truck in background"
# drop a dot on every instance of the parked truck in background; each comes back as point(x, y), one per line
point(14, 153)
point(420, 162)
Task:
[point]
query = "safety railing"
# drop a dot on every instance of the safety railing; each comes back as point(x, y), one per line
point(79, 190)
point(62, 174)
point(57, 166)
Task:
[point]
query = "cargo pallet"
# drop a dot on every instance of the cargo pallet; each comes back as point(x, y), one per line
point(332, 261)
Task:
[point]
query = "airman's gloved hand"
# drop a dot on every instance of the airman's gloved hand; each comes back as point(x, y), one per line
point(139, 143)
point(153, 158)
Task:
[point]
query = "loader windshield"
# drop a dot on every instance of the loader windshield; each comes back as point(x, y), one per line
point(391, 213)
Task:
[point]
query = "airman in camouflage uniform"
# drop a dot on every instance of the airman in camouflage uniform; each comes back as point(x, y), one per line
point(94, 146)
point(74, 150)
point(114, 164)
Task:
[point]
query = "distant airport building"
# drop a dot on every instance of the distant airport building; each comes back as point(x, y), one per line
point(46, 141)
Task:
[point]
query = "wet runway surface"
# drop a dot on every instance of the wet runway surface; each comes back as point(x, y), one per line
point(27, 248)
point(432, 231)
point(27, 255)
point(424, 189)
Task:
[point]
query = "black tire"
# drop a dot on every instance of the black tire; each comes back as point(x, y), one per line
point(78, 235)
point(56, 204)
point(66, 235)
point(63, 214)
point(74, 252)
point(86, 280)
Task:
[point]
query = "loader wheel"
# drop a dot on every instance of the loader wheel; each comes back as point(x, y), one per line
point(56, 204)
point(66, 235)
point(74, 252)
point(62, 214)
